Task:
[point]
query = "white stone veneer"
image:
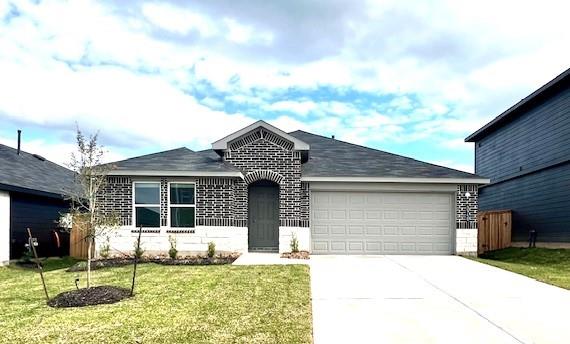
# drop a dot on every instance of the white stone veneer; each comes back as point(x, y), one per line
point(286, 234)
point(466, 241)
point(227, 239)
point(4, 228)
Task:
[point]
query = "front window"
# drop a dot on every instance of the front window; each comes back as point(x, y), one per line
point(147, 204)
point(182, 203)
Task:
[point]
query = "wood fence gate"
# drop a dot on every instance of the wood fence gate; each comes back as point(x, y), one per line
point(494, 230)
point(78, 246)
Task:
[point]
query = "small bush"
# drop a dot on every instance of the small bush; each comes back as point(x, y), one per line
point(211, 249)
point(138, 251)
point(28, 255)
point(105, 249)
point(294, 243)
point(173, 252)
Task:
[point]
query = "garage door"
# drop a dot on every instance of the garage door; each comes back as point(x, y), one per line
point(381, 223)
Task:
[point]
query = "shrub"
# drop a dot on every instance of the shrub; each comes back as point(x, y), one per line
point(28, 255)
point(173, 252)
point(211, 249)
point(105, 249)
point(139, 251)
point(294, 243)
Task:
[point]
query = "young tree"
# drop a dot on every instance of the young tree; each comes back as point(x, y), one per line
point(90, 179)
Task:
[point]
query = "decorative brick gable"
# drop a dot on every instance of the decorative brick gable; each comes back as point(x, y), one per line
point(263, 155)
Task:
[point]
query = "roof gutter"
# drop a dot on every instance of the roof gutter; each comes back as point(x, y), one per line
point(176, 173)
point(398, 180)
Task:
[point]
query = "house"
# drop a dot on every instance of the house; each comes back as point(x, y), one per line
point(259, 187)
point(525, 151)
point(32, 193)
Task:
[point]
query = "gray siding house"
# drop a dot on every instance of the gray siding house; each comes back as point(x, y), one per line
point(525, 151)
point(258, 187)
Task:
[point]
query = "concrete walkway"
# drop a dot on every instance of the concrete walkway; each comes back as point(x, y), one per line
point(262, 258)
point(432, 299)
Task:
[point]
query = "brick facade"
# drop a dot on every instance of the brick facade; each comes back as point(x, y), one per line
point(262, 155)
point(116, 196)
point(466, 208)
point(222, 202)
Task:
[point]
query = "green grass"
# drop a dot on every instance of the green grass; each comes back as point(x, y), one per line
point(172, 304)
point(551, 266)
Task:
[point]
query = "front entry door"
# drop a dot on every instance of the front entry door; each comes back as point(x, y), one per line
point(263, 216)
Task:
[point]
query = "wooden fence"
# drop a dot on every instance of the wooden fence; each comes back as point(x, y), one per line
point(494, 230)
point(78, 246)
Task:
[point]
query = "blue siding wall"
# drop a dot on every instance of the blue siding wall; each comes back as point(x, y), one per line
point(529, 160)
point(537, 137)
point(539, 200)
point(40, 214)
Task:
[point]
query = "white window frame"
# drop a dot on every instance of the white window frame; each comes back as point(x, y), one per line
point(169, 205)
point(145, 205)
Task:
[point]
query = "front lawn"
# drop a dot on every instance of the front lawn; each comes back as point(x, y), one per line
point(546, 265)
point(173, 304)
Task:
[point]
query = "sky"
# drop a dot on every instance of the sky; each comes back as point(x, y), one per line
point(408, 77)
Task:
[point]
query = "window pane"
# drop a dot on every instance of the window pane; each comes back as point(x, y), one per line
point(148, 216)
point(147, 193)
point(181, 193)
point(181, 217)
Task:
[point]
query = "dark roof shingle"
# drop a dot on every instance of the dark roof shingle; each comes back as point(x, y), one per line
point(179, 159)
point(29, 172)
point(334, 158)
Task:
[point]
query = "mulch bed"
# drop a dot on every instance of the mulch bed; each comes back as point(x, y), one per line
point(296, 255)
point(89, 297)
point(195, 260)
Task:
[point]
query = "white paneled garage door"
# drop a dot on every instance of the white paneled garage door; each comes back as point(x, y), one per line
point(381, 223)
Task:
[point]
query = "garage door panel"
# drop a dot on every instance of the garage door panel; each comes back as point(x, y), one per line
point(337, 214)
point(338, 246)
point(381, 223)
point(373, 246)
point(356, 247)
point(337, 230)
point(356, 230)
point(407, 230)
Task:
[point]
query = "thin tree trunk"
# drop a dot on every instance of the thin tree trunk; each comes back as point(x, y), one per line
point(89, 262)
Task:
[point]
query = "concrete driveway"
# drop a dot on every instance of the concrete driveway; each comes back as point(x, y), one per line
point(432, 299)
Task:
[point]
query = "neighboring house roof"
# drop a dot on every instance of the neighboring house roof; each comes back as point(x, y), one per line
point(32, 173)
point(222, 144)
point(519, 107)
point(334, 158)
point(180, 161)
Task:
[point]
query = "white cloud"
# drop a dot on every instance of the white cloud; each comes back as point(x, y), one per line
point(133, 70)
point(301, 108)
point(60, 153)
point(178, 20)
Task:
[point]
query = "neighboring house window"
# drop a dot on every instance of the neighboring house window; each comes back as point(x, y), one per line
point(147, 204)
point(182, 202)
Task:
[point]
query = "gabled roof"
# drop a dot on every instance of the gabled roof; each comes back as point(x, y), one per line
point(329, 159)
point(516, 109)
point(176, 162)
point(31, 173)
point(333, 158)
point(222, 144)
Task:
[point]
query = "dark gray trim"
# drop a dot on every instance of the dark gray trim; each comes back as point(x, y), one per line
point(13, 188)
